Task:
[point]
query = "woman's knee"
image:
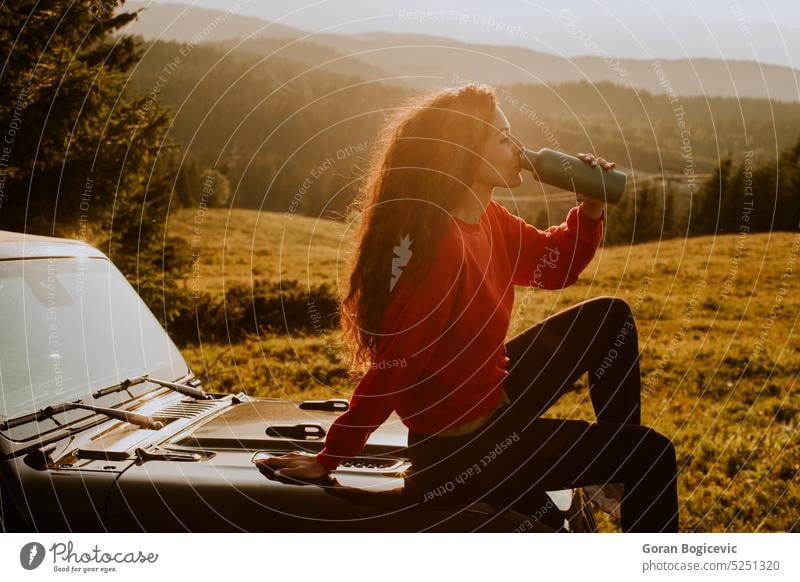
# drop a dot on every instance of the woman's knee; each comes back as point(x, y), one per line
point(616, 318)
point(613, 309)
point(659, 445)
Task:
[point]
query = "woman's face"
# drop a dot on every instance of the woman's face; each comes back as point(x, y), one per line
point(502, 153)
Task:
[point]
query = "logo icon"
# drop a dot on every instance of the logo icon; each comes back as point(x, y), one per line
point(402, 254)
point(31, 555)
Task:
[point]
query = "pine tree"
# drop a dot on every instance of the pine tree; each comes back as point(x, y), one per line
point(82, 159)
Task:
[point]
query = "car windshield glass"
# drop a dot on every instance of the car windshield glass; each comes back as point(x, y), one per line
point(71, 326)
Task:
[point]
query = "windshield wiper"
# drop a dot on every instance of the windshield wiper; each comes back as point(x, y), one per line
point(185, 389)
point(48, 412)
point(137, 419)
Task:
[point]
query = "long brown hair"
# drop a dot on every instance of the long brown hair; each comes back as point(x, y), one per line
point(423, 167)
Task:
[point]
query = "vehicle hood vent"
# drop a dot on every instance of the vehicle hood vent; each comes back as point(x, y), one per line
point(185, 409)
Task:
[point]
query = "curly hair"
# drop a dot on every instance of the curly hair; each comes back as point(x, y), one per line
point(426, 159)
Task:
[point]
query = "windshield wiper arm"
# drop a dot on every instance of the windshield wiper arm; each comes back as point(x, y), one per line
point(49, 411)
point(185, 389)
point(138, 419)
point(132, 417)
point(124, 385)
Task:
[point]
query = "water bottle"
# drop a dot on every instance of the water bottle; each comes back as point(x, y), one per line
point(570, 173)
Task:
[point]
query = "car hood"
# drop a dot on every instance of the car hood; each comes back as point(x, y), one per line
point(207, 481)
point(197, 473)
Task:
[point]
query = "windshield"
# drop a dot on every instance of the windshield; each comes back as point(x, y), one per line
point(72, 326)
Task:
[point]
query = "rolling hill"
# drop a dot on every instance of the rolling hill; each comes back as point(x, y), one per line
point(422, 60)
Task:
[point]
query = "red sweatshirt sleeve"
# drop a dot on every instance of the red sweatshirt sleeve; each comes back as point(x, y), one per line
point(553, 258)
point(412, 324)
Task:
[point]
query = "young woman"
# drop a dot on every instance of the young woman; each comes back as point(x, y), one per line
point(430, 296)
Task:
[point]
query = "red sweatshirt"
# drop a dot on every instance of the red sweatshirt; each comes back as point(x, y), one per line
point(441, 359)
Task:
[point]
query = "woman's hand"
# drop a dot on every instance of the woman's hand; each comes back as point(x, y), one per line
point(594, 208)
point(297, 464)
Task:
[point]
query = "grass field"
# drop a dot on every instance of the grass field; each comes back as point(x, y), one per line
point(717, 322)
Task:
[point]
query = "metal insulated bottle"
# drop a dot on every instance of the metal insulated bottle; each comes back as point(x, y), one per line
point(570, 173)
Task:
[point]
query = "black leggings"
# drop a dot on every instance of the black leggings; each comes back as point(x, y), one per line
point(516, 452)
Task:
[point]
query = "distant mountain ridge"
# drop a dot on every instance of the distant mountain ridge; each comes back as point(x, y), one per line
point(427, 61)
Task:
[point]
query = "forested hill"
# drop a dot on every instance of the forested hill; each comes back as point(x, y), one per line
point(286, 135)
point(424, 58)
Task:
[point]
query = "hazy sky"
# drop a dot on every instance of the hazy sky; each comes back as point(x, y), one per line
point(768, 31)
point(317, 14)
